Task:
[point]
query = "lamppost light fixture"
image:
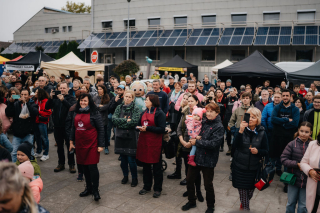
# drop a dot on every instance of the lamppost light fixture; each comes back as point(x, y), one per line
point(129, 1)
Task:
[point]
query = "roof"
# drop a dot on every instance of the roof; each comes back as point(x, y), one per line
point(56, 10)
point(71, 62)
point(224, 64)
point(3, 59)
point(32, 58)
point(177, 61)
point(289, 66)
point(255, 65)
point(311, 73)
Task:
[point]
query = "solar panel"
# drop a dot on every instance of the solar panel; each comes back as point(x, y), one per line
point(262, 31)
point(311, 40)
point(285, 31)
point(284, 40)
point(161, 42)
point(166, 33)
point(176, 33)
point(215, 32)
point(185, 32)
point(202, 41)
point(180, 41)
point(274, 31)
point(260, 40)
point(142, 42)
point(298, 40)
point(247, 40)
point(139, 34)
point(249, 31)
point(115, 43)
point(148, 34)
point(151, 42)
point(299, 30)
point(272, 40)
point(312, 30)
point(206, 32)
point(123, 43)
point(225, 40)
point(236, 40)
point(133, 42)
point(192, 41)
point(228, 31)
point(212, 41)
point(239, 31)
point(196, 32)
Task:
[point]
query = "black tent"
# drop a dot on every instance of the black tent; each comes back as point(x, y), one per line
point(29, 62)
point(306, 76)
point(181, 65)
point(254, 70)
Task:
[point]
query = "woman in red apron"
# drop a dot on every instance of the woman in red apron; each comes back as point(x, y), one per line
point(153, 123)
point(88, 133)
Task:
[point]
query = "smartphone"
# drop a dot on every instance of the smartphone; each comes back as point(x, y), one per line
point(246, 117)
point(72, 151)
point(138, 127)
point(15, 96)
point(317, 170)
point(210, 98)
point(55, 94)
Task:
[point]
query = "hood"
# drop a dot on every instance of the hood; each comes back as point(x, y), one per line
point(37, 183)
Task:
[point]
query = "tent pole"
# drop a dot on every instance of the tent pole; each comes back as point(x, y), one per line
point(185, 53)
point(279, 54)
point(157, 54)
point(215, 55)
point(315, 54)
point(248, 51)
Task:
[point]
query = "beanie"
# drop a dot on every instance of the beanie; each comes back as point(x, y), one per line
point(26, 169)
point(26, 148)
point(198, 111)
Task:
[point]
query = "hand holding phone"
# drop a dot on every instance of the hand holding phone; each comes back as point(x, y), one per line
point(246, 117)
point(15, 96)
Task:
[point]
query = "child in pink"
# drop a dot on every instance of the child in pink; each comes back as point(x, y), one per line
point(194, 127)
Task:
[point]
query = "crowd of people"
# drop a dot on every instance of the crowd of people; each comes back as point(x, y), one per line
point(198, 117)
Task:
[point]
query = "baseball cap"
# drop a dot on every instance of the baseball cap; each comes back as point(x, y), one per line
point(170, 77)
point(229, 80)
point(201, 85)
point(67, 76)
point(121, 86)
point(277, 86)
point(219, 80)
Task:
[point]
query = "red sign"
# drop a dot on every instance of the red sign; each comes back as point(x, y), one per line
point(94, 56)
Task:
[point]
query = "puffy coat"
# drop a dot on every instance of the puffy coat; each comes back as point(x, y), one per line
point(43, 111)
point(293, 154)
point(47, 88)
point(103, 110)
point(36, 187)
point(6, 123)
point(22, 127)
point(60, 109)
point(118, 117)
point(266, 117)
point(113, 104)
point(207, 153)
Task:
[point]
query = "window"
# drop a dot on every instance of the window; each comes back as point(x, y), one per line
point(64, 29)
point(209, 20)
point(180, 21)
point(69, 28)
point(271, 17)
point(271, 55)
point(238, 55)
point(153, 54)
point(132, 55)
point(208, 55)
point(132, 23)
point(239, 18)
point(304, 55)
point(154, 21)
point(179, 53)
point(106, 24)
point(51, 30)
point(307, 16)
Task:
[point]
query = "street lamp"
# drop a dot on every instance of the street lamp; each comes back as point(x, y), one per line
point(128, 25)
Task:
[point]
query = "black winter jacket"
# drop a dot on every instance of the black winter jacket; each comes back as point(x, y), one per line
point(68, 122)
point(60, 109)
point(47, 88)
point(113, 104)
point(207, 153)
point(22, 127)
point(96, 122)
point(293, 154)
point(243, 158)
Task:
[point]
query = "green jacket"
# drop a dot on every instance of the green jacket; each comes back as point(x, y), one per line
point(35, 165)
point(155, 77)
point(237, 116)
point(118, 117)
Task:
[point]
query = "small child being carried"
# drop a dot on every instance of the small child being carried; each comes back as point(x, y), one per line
point(194, 125)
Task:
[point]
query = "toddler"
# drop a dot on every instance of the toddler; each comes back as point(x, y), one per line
point(24, 154)
point(194, 127)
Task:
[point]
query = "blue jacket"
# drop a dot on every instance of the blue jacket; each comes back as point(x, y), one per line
point(292, 110)
point(309, 106)
point(266, 117)
point(206, 87)
point(4, 141)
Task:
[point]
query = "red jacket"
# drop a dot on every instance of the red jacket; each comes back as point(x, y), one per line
point(43, 111)
point(166, 89)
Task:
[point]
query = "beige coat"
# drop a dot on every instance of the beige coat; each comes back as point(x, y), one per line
point(309, 161)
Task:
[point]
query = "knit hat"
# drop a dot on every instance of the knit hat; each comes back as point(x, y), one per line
point(198, 111)
point(26, 148)
point(26, 169)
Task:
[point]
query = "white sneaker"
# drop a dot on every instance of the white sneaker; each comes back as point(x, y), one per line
point(44, 158)
point(36, 155)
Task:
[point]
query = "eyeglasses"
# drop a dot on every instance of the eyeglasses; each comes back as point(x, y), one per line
point(316, 102)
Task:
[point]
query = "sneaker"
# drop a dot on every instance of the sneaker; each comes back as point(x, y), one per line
point(59, 168)
point(44, 157)
point(156, 194)
point(185, 194)
point(188, 206)
point(210, 210)
point(184, 182)
point(36, 155)
point(72, 169)
point(143, 192)
point(80, 177)
point(106, 151)
point(175, 175)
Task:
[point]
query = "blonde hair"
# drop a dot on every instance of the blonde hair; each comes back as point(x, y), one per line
point(131, 92)
point(11, 180)
point(255, 112)
point(185, 94)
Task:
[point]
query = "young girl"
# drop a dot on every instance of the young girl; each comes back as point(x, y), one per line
point(24, 154)
point(194, 127)
point(35, 182)
point(291, 157)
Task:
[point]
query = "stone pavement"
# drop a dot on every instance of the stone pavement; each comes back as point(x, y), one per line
point(61, 190)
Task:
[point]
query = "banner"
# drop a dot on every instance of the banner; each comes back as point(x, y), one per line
point(171, 69)
point(20, 67)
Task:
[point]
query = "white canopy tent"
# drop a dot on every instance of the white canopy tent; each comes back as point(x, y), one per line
point(214, 70)
point(290, 66)
point(70, 62)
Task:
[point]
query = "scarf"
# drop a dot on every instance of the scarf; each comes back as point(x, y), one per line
point(174, 96)
point(87, 108)
point(316, 125)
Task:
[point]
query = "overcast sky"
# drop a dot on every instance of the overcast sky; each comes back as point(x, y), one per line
point(14, 13)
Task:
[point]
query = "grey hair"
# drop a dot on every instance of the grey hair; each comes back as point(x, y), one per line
point(242, 87)
point(87, 79)
point(128, 76)
point(256, 112)
point(265, 91)
point(156, 80)
point(183, 78)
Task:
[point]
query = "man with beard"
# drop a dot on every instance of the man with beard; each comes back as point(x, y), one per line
point(171, 83)
point(285, 120)
point(192, 88)
point(163, 97)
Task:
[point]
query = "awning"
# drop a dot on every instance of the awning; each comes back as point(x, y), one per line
point(3, 59)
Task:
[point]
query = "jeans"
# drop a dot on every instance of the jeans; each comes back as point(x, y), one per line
point(296, 195)
point(16, 143)
point(157, 174)
point(276, 163)
point(41, 134)
point(193, 150)
point(125, 160)
point(91, 174)
point(61, 139)
point(208, 174)
point(109, 127)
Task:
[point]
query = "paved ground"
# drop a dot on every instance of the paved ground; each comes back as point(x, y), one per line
point(61, 190)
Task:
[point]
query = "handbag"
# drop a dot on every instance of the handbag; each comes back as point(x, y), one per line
point(170, 147)
point(288, 178)
point(43, 119)
point(264, 175)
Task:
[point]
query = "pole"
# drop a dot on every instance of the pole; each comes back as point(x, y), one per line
point(128, 24)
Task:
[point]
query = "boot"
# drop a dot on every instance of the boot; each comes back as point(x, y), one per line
point(87, 191)
point(96, 195)
point(191, 160)
point(175, 175)
point(229, 150)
